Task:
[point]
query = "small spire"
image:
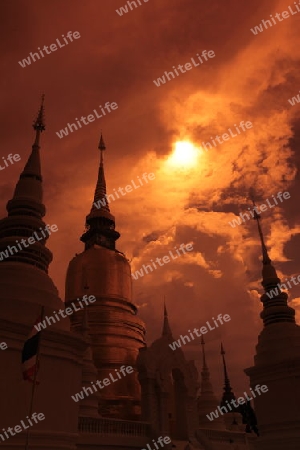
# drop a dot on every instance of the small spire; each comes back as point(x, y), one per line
point(101, 145)
point(266, 258)
point(166, 326)
point(27, 206)
point(100, 223)
point(269, 274)
point(203, 353)
point(228, 395)
point(206, 399)
point(39, 123)
point(275, 308)
point(100, 191)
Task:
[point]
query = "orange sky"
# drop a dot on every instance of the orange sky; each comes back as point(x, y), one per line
point(116, 59)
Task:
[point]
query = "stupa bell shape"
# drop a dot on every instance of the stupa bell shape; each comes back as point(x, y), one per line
point(115, 331)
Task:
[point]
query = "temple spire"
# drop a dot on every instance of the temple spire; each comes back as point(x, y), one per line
point(39, 123)
point(100, 191)
point(100, 223)
point(266, 258)
point(26, 208)
point(204, 365)
point(166, 326)
point(274, 300)
point(206, 399)
point(228, 395)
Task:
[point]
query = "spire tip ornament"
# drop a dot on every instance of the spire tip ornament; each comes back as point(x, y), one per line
point(101, 145)
point(39, 123)
point(266, 258)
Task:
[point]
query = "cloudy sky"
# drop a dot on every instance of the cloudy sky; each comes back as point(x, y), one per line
point(194, 194)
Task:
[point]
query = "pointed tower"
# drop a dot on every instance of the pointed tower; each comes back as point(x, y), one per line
point(233, 418)
point(26, 210)
point(228, 394)
point(276, 365)
point(207, 401)
point(26, 264)
point(100, 223)
point(169, 386)
point(166, 326)
point(25, 286)
point(115, 330)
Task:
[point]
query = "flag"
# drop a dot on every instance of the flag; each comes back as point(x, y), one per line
point(30, 352)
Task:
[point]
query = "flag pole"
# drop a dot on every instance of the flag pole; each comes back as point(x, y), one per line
point(34, 380)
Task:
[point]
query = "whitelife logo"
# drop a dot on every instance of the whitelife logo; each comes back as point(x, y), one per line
point(11, 158)
point(203, 330)
point(110, 197)
point(259, 209)
point(236, 403)
point(106, 381)
point(90, 118)
point(226, 136)
point(161, 440)
point(53, 48)
point(267, 23)
point(165, 259)
point(187, 66)
point(65, 312)
point(274, 292)
point(294, 100)
point(30, 241)
point(18, 428)
point(124, 9)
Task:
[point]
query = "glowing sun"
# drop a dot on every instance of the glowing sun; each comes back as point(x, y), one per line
point(185, 155)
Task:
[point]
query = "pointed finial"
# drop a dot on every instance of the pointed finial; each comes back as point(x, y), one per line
point(227, 383)
point(166, 326)
point(228, 394)
point(203, 352)
point(266, 258)
point(101, 145)
point(165, 308)
point(39, 123)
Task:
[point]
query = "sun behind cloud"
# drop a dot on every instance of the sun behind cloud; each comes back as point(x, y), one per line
point(184, 155)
